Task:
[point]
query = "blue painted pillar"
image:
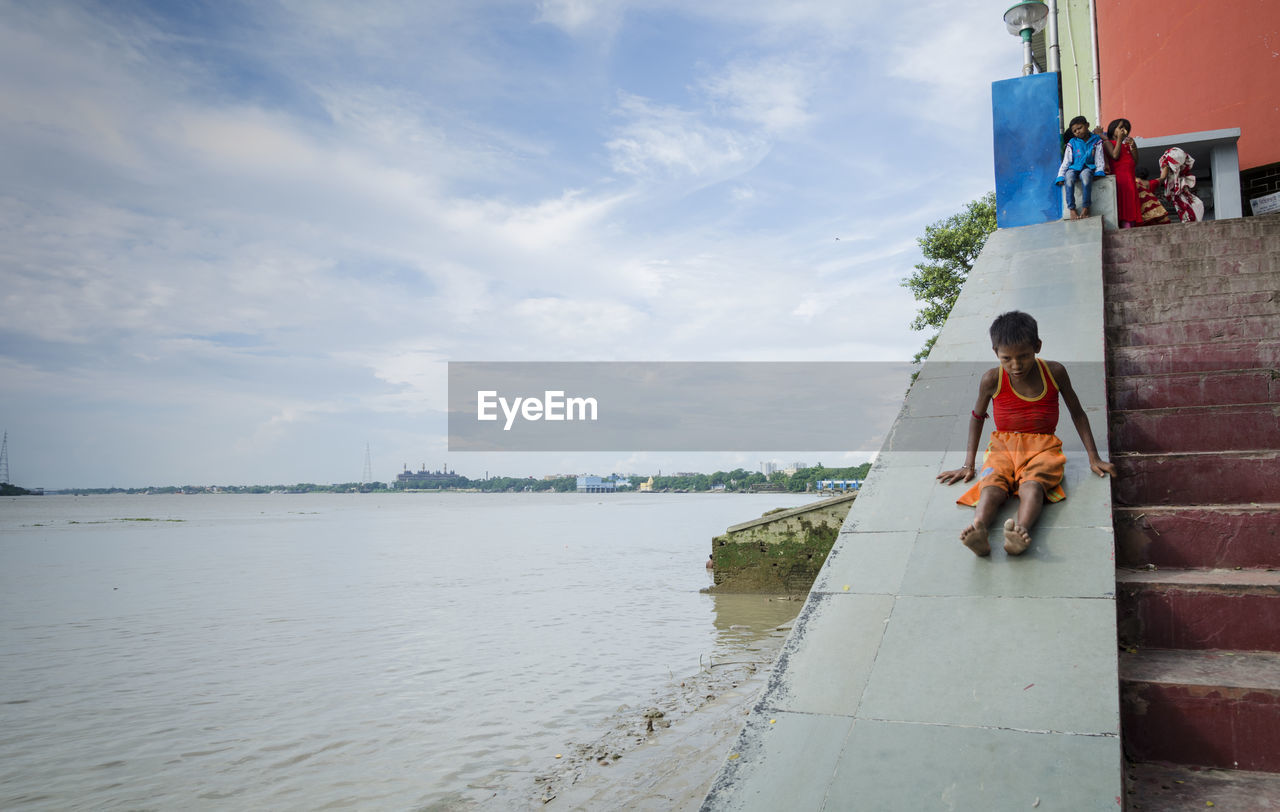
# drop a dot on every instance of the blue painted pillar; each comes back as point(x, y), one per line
point(1027, 140)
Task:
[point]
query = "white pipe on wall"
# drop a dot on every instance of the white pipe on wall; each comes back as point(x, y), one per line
point(1052, 34)
point(1097, 74)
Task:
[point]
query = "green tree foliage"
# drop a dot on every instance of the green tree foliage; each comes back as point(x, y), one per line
point(950, 247)
point(807, 478)
point(497, 484)
point(737, 480)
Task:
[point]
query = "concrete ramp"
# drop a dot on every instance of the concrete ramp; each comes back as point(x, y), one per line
point(919, 676)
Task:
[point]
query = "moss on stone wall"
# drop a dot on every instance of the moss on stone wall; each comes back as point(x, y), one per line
point(778, 557)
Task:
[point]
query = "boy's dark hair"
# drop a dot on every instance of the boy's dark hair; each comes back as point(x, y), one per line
point(1014, 328)
point(1120, 122)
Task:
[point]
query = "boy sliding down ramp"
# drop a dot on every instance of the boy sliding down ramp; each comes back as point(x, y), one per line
point(1024, 456)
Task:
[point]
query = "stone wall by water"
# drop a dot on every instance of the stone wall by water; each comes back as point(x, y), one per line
point(781, 551)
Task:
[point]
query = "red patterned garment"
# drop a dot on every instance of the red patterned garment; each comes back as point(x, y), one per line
point(1153, 211)
point(1175, 171)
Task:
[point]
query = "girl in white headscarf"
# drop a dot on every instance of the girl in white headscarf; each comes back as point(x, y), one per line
point(1175, 174)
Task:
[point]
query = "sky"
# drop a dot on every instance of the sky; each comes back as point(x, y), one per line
point(243, 241)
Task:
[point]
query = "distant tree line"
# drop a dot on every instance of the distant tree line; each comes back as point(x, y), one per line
point(301, 487)
point(737, 480)
point(504, 484)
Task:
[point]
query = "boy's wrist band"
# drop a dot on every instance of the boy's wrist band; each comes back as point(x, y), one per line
point(977, 416)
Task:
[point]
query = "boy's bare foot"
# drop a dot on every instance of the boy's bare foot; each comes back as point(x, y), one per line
point(1016, 538)
point(1084, 212)
point(975, 538)
point(1074, 216)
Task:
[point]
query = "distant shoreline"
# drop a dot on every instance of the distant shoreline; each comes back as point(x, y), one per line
point(797, 481)
point(290, 492)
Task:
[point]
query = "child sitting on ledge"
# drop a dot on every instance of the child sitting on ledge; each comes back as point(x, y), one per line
point(1082, 160)
point(1023, 457)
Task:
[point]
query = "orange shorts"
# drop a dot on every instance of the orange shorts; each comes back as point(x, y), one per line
point(1012, 458)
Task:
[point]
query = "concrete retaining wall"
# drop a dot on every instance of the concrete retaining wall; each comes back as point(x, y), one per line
point(781, 551)
point(919, 676)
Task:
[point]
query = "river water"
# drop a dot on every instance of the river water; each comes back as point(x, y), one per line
point(329, 651)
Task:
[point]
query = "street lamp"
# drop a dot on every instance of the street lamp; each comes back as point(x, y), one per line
point(1024, 20)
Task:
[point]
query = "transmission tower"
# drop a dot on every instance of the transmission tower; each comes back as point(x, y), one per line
point(368, 466)
point(4, 459)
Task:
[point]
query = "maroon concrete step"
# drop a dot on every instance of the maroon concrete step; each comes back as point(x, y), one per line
point(1194, 280)
point(1199, 608)
point(1177, 232)
point(1169, 788)
point(1209, 708)
point(1198, 428)
point(1192, 266)
point(1196, 478)
point(1161, 359)
point(1221, 536)
point(1213, 388)
point(1205, 244)
point(1210, 329)
point(1189, 266)
point(1193, 306)
point(1236, 230)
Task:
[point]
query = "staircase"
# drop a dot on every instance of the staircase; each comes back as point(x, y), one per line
point(1193, 347)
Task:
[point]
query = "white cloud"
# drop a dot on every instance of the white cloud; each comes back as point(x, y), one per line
point(771, 93)
point(664, 140)
point(576, 15)
point(553, 225)
point(303, 211)
point(418, 376)
point(950, 66)
point(590, 329)
point(826, 21)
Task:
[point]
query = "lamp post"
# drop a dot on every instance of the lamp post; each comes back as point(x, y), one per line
point(1024, 20)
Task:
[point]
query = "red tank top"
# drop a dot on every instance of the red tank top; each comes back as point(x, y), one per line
point(1013, 412)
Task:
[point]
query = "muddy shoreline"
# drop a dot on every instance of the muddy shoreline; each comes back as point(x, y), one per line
point(694, 722)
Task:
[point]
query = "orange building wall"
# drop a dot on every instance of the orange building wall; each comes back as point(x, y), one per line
point(1180, 66)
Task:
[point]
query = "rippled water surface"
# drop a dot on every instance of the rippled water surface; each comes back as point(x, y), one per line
point(339, 651)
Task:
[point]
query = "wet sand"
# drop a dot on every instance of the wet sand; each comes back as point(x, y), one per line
point(670, 768)
point(674, 767)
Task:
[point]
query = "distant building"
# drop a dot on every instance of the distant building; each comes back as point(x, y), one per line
point(422, 478)
point(647, 485)
point(1236, 44)
point(768, 468)
point(838, 485)
point(595, 484)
